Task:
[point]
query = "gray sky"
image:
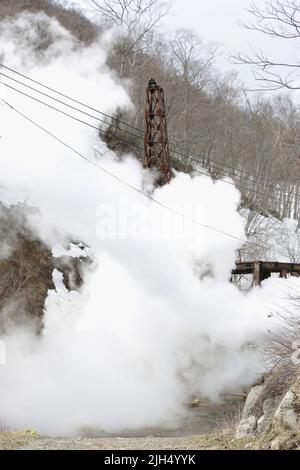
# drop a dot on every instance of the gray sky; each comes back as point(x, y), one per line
point(216, 20)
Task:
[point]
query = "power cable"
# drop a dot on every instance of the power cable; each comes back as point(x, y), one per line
point(119, 137)
point(59, 110)
point(175, 147)
point(124, 183)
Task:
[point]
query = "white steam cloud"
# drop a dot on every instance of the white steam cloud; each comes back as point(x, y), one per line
point(157, 318)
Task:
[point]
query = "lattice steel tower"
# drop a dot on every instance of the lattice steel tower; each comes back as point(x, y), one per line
point(157, 151)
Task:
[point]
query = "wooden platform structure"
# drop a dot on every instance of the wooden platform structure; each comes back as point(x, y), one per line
point(262, 270)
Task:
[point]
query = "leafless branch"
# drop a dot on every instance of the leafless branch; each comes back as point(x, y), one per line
point(278, 19)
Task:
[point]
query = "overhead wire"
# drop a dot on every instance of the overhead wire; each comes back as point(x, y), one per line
point(175, 147)
point(262, 193)
point(60, 111)
point(124, 183)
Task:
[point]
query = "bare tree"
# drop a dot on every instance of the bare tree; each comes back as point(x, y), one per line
point(138, 18)
point(282, 345)
point(192, 58)
point(191, 61)
point(277, 19)
point(206, 115)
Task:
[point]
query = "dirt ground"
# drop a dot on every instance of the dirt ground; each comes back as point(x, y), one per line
point(203, 426)
point(119, 443)
point(24, 441)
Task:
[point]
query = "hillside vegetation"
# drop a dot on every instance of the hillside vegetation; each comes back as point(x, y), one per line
point(210, 115)
point(253, 140)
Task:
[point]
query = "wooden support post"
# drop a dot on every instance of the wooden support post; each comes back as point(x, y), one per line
point(261, 270)
point(257, 273)
point(283, 273)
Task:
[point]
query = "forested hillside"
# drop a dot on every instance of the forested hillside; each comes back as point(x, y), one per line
point(211, 117)
point(115, 284)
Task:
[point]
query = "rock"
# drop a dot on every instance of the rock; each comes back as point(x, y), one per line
point(261, 424)
point(286, 415)
point(249, 446)
point(275, 444)
point(248, 423)
point(252, 398)
point(246, 427)
point(269, 407)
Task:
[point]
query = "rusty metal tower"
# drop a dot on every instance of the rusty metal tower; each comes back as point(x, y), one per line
point(157, 151)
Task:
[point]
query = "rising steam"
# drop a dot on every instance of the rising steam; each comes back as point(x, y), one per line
point(157, 318)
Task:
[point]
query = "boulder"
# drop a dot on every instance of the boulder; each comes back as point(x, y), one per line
point(286, 416)
point(246, 427)
point(269, 407)
point(261, 424)
point(253, 398)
